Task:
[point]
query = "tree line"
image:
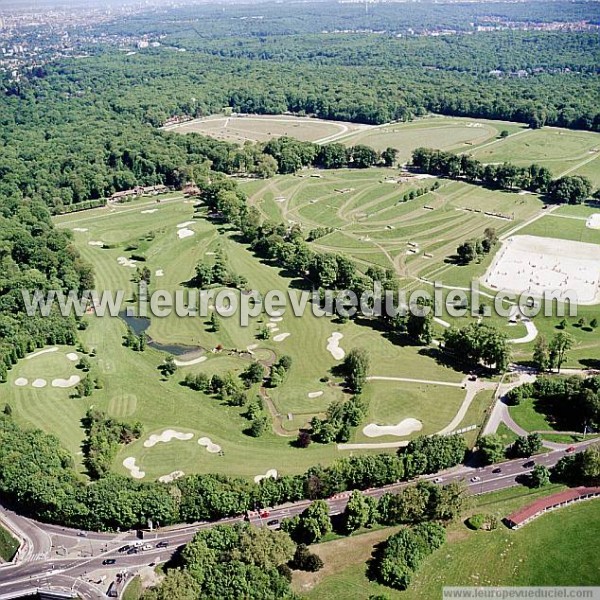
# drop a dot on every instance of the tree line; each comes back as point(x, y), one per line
point(571, 189)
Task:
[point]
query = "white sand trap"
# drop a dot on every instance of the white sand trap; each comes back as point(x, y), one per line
point(210, 446)
point(66, 383)
point(72, 356)
point(79, 229)
point(149, 211)
point(210, 253)
point(271, 325)
point(189, 363)
point(280, 199)
point(281, 336)
point(21, 382)
point(276, 319)
point(271, 473)
point(539, 266)
point(276, 313)
point(166, 436)
point(251, 347)
point(159, 273)
point(171, 477)
point(593, 221)
point(184, 233)
point(186, 224)
point(39, 353)
point(333, 346)
point(96, 243)
point(405, 427)
point(315, 394)
point(39, 383)
point(126, 262)
point(134, 470)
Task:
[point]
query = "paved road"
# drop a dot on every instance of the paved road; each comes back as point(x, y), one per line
point(81, 569)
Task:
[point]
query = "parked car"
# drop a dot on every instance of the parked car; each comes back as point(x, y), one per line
point(124, 548)
point(147, 547)
point(475, 479)
point(133, 550)
point(162, 545)
point(109, 561)
point(438, 480)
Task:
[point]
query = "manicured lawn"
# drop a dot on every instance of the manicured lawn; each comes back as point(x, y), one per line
point(503, 557)
point(134, 589)
point(528, 418)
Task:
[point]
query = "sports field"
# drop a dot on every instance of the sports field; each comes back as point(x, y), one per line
point(260, 128)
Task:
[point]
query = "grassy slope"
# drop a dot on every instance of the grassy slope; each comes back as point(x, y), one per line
point(8, 545)
point(503, 557)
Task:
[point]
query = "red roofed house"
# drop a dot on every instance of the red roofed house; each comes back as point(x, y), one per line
point(544, 505)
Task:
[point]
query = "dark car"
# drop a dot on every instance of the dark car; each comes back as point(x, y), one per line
point(273, 522)
point(497, 470)
point(162, 545)
point(82, 534)
point(132, 551)
point(570, 449)
point(109, 561)
point(124, 548)
point(529, 464)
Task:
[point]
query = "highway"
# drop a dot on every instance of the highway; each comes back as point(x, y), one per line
point(63, 559)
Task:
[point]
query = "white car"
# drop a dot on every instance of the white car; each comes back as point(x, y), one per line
point(438, 480)
point(475, 479)
point(147, 547)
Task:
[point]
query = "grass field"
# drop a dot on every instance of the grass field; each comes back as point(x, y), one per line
point(8, 545)
point(473, 558)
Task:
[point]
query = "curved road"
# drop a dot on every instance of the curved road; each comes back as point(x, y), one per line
point(40, 565)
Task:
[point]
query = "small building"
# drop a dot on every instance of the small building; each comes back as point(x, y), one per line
point(544, 505)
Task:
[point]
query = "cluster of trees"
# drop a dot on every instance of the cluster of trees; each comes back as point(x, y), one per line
point(570, 402)
point(217, 273)
point(547, 356)
point(571, 189)
point(34, 256)
point(104, 435)
point(291, 155)
point(492, 449)
point(401, 554)
point(582, 468)
point(231, 561)
point(341, 417)
point(39, 476)
point(139, 343)
point(479, 343)
point(280, 370)
point(476, 249)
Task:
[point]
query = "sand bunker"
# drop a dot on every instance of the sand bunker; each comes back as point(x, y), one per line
point(166, 436)
point(251, 347)
point(193, 361)
point(46, 351)
point(272, 473)
point(96, 243)
point(276, 319)
point(66, 383)
point(73, 356)
point(21, 382)
point(134, 470)
point(186, 224)
point(333, 346)
point(405, 427)
point(281, 336)
point(79, 229)
point(271, 325)
point(276, 313)
point(149, 211)
point(539, 266)
point(171, 477)
point(39, 383)
point(315, 394)
point(593, 221)
point(159, 273)
point(210, 446)
point(184, 233)
point(280, 199)
point(126, 262)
